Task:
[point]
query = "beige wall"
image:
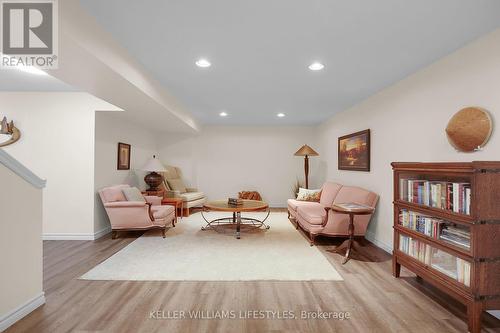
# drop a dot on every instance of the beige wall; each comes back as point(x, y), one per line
point(57, 143)
point(408, 121)
point(111, 128)
point(221, 161)
point(20, 246)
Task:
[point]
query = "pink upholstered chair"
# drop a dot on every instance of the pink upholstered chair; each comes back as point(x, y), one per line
point(135, 215)
point(317, 219)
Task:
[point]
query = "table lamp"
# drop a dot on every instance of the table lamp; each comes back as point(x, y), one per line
point(306, 151)
point(153, 179)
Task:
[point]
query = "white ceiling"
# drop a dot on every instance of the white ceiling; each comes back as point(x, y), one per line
point(260, 50)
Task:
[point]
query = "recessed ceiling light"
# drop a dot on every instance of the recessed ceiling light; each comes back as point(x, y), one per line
point(223, 114)
point(316, 66)
point(280, 115)
point(203, 63)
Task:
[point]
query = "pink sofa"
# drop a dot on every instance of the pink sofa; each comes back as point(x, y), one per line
point(135, 215)
point(317, 219)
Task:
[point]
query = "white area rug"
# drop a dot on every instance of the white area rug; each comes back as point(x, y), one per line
point(190, 254)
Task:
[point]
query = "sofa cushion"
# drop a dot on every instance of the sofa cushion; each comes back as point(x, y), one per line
point(294, 204)
point(113, 194)
point(177, 185)
point(192, 196)
point(133, 194)
point(312, 214)
point(357, 195)
point(328, 193)
point(308, 195)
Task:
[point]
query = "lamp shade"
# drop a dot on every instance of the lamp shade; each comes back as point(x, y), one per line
point(154, 165)
point(305, 150)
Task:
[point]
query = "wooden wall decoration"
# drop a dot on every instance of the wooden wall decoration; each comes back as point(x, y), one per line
point(9, 131)
point(469, 129)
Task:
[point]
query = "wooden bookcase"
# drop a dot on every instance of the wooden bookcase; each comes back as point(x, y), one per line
point(483, 289)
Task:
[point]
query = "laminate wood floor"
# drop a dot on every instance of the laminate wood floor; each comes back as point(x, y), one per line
point(376, 301)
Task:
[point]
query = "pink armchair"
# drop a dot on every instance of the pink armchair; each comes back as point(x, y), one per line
point(317, 218)
point(135, 215)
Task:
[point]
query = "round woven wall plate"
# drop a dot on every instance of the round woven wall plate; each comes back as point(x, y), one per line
point(469, 129)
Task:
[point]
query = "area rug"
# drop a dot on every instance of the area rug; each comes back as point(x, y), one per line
point(190, 254)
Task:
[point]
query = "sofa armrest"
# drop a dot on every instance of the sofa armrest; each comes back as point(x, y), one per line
point(154, 200)
point(124, 204)
point(327, 214)
point(192, 189)
point(173, 194)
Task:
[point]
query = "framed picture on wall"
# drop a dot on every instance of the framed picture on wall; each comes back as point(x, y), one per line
point(354, 151)
point(123, 160)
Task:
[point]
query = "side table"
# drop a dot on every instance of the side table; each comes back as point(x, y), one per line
point(351, 209)
point(178, 203)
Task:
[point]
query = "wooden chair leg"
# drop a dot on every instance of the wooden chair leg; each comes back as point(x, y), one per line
point(113, 234)
point(312, 237)
point(296, 225)
point(164, 232)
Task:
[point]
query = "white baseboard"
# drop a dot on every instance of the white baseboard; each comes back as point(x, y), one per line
point(21, 311)
point(371, 237)
point(102, 232)
point(77, 236)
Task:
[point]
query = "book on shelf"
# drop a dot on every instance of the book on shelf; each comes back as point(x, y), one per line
point(455, 197)
point(454, 267)
point(435, 228)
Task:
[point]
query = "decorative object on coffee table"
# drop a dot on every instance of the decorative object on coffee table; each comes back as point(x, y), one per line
point(351, 209)
point(153, 179)
point(306, 151)
point(250, 195)
point(8, 133)
point(236, 220)
point(354, 151)
point(469, 129)
point(123, 159)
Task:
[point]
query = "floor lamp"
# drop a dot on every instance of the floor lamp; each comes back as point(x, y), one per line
point(306, 151)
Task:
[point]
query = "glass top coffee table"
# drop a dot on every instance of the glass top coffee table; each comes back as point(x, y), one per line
point(236, 220)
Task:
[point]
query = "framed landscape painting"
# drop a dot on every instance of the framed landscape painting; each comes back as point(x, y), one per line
point(123, 162)
point(354, 151)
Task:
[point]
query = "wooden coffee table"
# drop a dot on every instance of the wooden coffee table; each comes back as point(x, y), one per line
point(236, 220)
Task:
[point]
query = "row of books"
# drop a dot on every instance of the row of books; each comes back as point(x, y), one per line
point(435, 228)
point(455, 197)
point(452, 266)
point(416, 249)
point(421, 223)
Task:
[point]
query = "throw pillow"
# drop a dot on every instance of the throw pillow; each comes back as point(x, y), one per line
point(177, 185)
point(308, 195)
point(133, 194)
point(113, 194)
